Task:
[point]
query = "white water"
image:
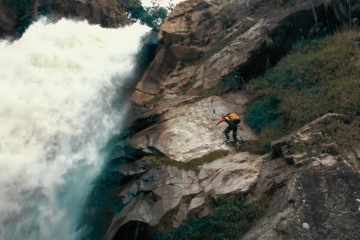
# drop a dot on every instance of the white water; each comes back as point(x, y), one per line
point(56, 83)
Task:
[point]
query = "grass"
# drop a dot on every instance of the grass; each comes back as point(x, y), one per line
point(317, 77)
point(296, 148)
point(192, 164)
point(345, 135)
point(157, 98)
point(232, 216)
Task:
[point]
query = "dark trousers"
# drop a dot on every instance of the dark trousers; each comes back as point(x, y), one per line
point(232, 126)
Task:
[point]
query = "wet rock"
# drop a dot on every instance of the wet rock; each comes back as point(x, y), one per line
point(138, 167)
point(8, 20)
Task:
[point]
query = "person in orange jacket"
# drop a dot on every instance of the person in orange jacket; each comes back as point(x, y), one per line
point(232, 119)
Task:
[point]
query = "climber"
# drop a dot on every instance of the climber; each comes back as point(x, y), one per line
point(232, 119)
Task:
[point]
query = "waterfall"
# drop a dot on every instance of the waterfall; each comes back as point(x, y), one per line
point(56, 88)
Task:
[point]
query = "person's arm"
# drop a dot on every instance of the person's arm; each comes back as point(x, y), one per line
point(221, 120)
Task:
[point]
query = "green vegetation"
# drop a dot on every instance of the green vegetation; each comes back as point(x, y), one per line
point(232, 216)
point(296, 148)
point(345, 135)
point(145, 195)
point(165, 224)
point(319, 76)
point(27, 10)
point(157, 98)
point(192, 164)
point(150, 16)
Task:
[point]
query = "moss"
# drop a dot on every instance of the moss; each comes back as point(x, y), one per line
point(165, 224)
point(319, 76)
point(157, 98)
point(296, 148)
point(141, 196)
point(192, 164)
point(231, 218)
point(249, 23)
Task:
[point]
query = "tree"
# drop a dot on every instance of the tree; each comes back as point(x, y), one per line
point(151, 16)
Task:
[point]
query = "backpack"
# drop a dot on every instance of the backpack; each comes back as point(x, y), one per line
point(231, 116)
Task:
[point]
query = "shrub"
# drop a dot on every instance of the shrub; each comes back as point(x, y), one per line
point(231, 218)
point(317, 77)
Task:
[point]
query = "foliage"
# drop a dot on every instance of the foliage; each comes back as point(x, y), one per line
point(296, 148)
point(192, 164)
point(262, 144)
point(151, 16)
point(319, 76)
point(231, 218)
point(157, 98)
point(345, 135)
point(317, 31)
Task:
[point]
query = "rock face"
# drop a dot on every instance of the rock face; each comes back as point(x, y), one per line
point(189, 131)
point(7, 20)
point(103, 12)
point(162, 188)
point(202, 42)
point(320, 197)
point(315, 190)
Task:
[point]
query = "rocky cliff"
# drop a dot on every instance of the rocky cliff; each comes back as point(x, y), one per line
point(207, 50)
point(14, 14)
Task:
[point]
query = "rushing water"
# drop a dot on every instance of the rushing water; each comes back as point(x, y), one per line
point(56, 87)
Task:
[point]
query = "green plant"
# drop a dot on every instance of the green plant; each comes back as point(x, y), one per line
point(190, 165)
point(345, 135)
point(157, 98)
point(151, 16)
point(317, 77)
point(296, 148)
point(231, 218)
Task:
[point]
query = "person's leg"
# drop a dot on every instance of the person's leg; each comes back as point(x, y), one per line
point(227, 131)
point(233, 125)
point(234, 134)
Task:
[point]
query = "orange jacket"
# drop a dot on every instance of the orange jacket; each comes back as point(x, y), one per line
point(228, 117)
